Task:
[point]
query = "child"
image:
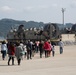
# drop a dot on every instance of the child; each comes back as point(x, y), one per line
point(25, 50)
point(53, 50)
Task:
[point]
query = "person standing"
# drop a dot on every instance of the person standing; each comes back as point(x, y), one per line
point(47, 48)
point(37, 46)
point(25, 50)
point(33, 49)
point(29, 50)
point(61, 45)
point(53, 50)
point(50, 48)
point(18, 53)
point(3, 49)
point(41, 48)
point(11, 53)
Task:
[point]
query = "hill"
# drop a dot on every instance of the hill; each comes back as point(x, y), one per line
point(6, 24)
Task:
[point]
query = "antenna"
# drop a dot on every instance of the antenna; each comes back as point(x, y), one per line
point(63, 10)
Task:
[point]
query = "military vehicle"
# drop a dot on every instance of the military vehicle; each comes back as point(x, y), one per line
point(49, 31)
point(73, 29)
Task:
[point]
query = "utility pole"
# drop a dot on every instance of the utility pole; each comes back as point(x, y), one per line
point(63, 10)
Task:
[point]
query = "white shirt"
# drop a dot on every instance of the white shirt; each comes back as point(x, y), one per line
point(25, 49)
point(3, 47)
point(53, 49)
point(61, 44)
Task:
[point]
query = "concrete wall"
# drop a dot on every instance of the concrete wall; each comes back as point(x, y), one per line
point(68, 37)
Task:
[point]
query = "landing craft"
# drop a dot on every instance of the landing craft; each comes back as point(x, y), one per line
point(49, 31)
point(73, 29)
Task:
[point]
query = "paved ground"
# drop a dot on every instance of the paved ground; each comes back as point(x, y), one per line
point(64, 64)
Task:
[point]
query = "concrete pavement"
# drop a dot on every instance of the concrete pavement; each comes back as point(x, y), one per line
point(64, 64)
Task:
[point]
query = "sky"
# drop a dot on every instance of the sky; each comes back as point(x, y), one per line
point(39, 10)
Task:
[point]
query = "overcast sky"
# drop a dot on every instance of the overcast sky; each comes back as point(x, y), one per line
point(39, 10)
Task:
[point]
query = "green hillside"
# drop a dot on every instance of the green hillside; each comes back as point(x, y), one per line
point(6, 24)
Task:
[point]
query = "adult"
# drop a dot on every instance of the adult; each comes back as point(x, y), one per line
point(47, 48)
point(33, 49)
point(11, 53)
point(29, 50)
point(18, 53)
point(3, 49)
point(37, 46)
point(41, 48)
point(50, 48)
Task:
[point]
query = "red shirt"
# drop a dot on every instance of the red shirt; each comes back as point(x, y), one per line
point(47, 46)
point(11, 50)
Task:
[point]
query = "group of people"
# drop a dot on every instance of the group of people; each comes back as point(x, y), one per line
point(13, 50)
point(28, 49)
